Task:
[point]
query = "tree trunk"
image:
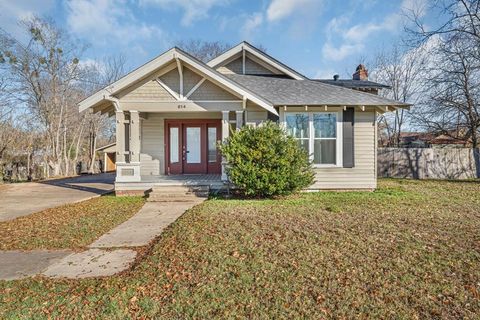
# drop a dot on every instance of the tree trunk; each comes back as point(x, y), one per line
point(94, 146)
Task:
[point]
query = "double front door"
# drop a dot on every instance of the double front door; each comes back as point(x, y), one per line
point(191, 146)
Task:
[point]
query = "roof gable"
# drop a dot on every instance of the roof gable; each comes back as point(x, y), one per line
point(247, 48)
point(147, 70)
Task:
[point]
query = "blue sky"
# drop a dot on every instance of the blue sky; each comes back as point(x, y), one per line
point(316, 37)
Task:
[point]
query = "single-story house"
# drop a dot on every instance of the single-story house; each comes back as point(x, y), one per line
point(171, 112)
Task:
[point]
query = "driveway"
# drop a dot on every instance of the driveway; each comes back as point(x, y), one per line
point(21, 199)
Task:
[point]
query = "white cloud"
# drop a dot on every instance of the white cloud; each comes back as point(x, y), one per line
point(339, 53)
point(252, 22)
point(104, 21)
point(351, 40)
point(360, 32)
point(13, 11)
point(193, 9)
point(325, 74)
point(279, 9)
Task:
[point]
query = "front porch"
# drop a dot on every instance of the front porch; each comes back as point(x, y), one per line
point(174, 148)
point(213, 181)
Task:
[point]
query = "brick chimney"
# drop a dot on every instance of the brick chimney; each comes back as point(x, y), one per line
point(361, 73)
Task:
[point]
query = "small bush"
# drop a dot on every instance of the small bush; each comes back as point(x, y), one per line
point(265, 162)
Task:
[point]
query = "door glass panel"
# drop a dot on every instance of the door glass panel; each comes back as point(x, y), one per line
point(193, 145)
point(212, 144)
point(174, 145)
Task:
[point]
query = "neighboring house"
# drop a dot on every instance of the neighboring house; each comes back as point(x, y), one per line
point(109, 157)
point(171, 112)
point(428, 140)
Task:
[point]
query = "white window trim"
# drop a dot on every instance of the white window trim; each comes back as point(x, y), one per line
point(311, 139)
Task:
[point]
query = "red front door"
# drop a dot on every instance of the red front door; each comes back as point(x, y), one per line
point(191, 146)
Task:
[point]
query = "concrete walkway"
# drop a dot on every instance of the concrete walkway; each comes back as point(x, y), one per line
point(91, 263)
point(139, 230)
point(21, 199)
point(20, 264)
point(148, 223)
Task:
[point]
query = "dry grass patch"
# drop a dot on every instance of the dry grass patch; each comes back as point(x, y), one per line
point(68, 226)
point(409, 250)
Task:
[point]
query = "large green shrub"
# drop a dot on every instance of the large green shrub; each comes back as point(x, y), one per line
point(265, 162)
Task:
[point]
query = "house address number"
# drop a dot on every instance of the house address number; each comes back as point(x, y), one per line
point(181, 106)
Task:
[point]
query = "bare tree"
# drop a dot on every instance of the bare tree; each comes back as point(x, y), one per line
point(44, 72)
point(404, 72)
point(204, 50)
point(97, 126)
point(207, 50)
point(452, 105)
point(462, 17)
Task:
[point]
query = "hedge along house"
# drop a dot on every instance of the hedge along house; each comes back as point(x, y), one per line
point(171, 112)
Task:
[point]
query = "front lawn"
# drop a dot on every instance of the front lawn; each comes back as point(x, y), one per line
point(409, 250)
point(69, 226)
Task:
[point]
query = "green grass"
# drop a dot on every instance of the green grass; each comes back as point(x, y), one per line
point(409, 250)
point(70, 226)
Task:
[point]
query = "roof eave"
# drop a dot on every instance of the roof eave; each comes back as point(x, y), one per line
point(109, 92)
point(259, 54)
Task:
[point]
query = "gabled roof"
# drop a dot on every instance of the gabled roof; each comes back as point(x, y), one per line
point(108, 93)
point(357, 84)
point(260, 55)
point(280, 91)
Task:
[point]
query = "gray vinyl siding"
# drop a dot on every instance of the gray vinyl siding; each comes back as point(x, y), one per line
point(149, 90)
point(172, 80)
point(362, 175)
point(190, 79)
point(232, 67)
point(252, 67)
point(209, 91)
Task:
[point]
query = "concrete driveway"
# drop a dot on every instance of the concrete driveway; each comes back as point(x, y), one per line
point(21, 199)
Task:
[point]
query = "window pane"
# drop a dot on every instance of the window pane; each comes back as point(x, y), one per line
point(212, 144)
point(325, 125)
point(324, 152)
point(297, 125)
point(303, 143)
point(173, 145)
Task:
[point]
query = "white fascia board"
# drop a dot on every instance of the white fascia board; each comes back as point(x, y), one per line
point(260, 55)
point(225, 56)
point(127, 80)
point(106, 93)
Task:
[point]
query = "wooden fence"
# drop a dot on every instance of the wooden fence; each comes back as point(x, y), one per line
point(427, 163)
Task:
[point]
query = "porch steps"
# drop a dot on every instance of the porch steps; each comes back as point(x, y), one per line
point(178, 193)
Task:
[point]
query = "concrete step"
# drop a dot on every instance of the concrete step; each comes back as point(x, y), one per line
point(178, 193)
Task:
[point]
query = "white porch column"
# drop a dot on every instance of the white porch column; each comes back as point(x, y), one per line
point(239, 114)
point(120, 135)
point(225, 134)
point(134, 136)
point(128, 171)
